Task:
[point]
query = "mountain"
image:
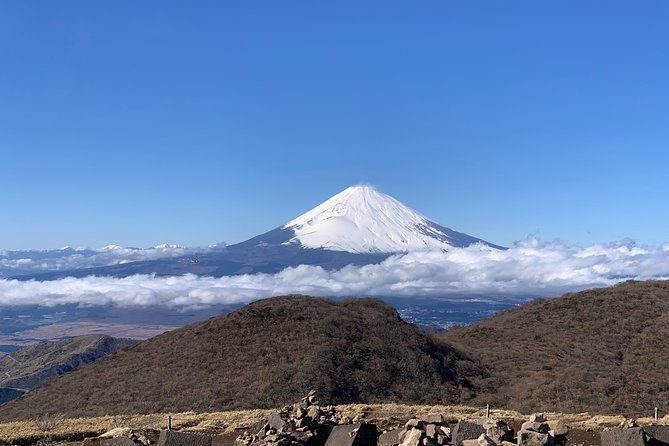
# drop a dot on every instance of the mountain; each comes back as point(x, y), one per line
point(357, 226)
point(20, 263)
point(601, 351)
point(363, 220)
point(266, 354)
point(29, 367)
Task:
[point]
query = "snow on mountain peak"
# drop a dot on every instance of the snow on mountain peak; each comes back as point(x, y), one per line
point(361, 219)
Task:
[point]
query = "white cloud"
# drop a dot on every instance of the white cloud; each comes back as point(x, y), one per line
point(527, 269)
point(28, 262)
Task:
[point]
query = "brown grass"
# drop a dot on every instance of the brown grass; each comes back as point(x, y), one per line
point(269, 353)
point(604, 351)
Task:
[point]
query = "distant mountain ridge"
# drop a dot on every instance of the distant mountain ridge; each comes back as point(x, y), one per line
point(358, 226)
point(31, 366)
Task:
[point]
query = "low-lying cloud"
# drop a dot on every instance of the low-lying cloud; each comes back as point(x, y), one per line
point(528, 269)
point(14, 263)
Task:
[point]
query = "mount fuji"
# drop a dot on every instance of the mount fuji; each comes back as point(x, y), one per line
point(358, 226)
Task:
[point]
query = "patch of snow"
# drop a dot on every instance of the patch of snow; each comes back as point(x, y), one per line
point(363, 220)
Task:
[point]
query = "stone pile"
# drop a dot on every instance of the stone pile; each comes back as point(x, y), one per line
point(429, 431)
point(120, 436)
point(539, 431)
point(484, 432)
point(303, 423)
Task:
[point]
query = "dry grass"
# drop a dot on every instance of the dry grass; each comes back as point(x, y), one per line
point(602, 351)
point(229, 421)
point(269, 353)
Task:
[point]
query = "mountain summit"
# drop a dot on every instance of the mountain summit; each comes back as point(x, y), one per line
point(358, 226)
point(361, 219)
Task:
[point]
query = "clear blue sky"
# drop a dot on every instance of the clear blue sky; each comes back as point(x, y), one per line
point(142, 122)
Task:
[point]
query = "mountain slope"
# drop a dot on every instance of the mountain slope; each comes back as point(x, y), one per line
point(31, 366)
point(602, 350)
point(358, 226)
point(265, 355)
point(363, 220)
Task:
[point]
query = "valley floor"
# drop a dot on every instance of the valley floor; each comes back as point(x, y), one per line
point(227, 425)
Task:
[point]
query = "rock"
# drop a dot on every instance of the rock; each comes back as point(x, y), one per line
point(412, 437)
point(352, 435)
point(538, 417)
point(431, 430)
point(497, 430)
point(276, 421)
point(535, 426)
point(174, 438)
point(507, 443)
point(414, 423)
point(118, 441)
point(465, 430)
point(117, 432)
point(314, 412)
point(623, 437)
point(443, 439)
point(390, 438)
point(660, 434)
point(484, 440)
point(470, 442)
point(303, 422)
point(444, 430)
point(428, 442)
point(499, 434)
point(532, 438)
point(435, 418)
point(558, 428)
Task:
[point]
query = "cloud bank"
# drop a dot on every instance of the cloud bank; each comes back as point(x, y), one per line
point(13, 263)
point(528, 269)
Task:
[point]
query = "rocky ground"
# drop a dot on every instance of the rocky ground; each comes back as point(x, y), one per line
point(306, 419)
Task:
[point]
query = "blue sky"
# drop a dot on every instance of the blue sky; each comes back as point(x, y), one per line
point(140, 123)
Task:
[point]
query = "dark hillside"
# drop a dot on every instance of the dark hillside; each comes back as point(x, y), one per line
point(267, 354)
point(602, 351)
point(27, 368)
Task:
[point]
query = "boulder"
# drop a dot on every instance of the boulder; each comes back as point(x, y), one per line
point(531, 438)
point(431, 430)
point(412, 437)
point(174, 438)
point(558, 428)
point(465, 430)
point(659, 435)
point(497, 430)
point(415, 423)
point(435, 418)
point(352, 435)
point(623, 437)
point(484, 440)
point(314, 412)
point(390, 438)
point(277, 421)
point(535, 426)
point(538, 417)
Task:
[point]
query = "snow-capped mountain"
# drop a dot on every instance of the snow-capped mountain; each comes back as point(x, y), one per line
point(357, 226)
point(363, 220)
